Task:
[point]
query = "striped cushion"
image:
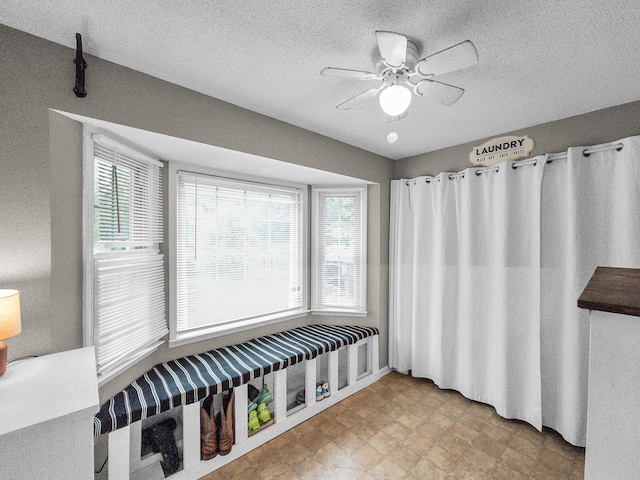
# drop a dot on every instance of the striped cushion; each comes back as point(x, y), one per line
point(190, 379)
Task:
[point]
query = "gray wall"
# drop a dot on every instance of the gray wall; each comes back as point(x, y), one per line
point(41, 184)
point(602, 126)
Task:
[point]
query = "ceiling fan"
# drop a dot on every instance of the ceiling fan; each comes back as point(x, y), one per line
point(402, 73)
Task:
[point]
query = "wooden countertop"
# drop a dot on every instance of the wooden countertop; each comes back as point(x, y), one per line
point(615, 290)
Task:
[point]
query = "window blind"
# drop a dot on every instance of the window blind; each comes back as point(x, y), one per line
point(130, 306)
point(128, 270)
point(339, 252)
point(239, 249)
point(128, 196)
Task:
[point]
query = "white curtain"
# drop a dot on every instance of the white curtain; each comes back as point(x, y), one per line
point(464, 249)
point(486, 269)
point(590, 218)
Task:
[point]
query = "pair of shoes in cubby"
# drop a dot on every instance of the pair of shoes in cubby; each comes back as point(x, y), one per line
point(257, 397)
point(216, 431)
point(258, 417)
point(322, 391)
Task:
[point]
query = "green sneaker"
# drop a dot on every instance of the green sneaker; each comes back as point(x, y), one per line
point(253, 423)
point(263, 413)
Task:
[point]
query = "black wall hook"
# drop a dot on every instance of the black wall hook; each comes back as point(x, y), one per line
point(80, 67)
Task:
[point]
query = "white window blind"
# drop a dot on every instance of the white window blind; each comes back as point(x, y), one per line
point(239, 249)
point(128, 197)
point(339, 250)
point(128, 270)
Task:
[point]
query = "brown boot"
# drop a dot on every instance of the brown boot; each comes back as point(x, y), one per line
point(226, 424)
point(208, 434)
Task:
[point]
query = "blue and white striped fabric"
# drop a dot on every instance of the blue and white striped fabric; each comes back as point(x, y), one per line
point(191, 379)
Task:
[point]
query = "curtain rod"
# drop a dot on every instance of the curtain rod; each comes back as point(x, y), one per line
point(529, 161)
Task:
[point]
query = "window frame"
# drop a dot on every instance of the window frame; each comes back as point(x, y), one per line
point(90, 256)
point(176, 338)
point(316, 308)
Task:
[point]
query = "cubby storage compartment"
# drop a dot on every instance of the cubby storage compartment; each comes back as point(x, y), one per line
point(295, 385)
point(343, 367)
point(161, 445)
point(364, 367)
point(264, 390)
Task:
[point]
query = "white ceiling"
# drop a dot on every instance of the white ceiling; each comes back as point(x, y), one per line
point(539, 60)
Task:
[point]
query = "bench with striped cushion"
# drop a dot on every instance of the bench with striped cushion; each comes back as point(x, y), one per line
point(190, 379)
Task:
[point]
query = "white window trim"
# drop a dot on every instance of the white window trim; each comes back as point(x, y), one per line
point(87, 248)
point(177, 339)
point(346, 311)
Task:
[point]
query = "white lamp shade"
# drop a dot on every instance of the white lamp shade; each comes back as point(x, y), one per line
point(395, 100)
point(9, 313)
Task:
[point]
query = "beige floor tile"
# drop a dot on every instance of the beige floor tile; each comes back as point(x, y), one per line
point(468, 472)
point(463, 431)
point(503, 471)
point(411, 421)
point(453, 443)
point(308, 468)
point(555, 461)
point(488, 445)
point(273, 469)
point(293, 454)
point(496, 432)
point(330, 455)
point(524, 446)
point(480, 460)
point(367, 456)
point(348, 441)
point(348, 473)
point(418, 443)
point(388, 469)
point(517, 461)
point(404, 457)
point(425, 470)
point(383, 443)
point(443, 459)
point(473, 421)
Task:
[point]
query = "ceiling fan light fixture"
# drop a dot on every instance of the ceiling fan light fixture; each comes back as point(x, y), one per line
point(395, 100)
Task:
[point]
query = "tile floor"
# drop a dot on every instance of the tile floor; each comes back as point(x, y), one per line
point(407, 428)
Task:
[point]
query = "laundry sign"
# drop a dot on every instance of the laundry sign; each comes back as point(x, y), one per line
point(497, 150)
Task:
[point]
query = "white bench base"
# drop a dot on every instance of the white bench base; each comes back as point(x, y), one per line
point(124, 443)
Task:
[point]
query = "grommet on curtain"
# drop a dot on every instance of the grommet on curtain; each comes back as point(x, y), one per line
point(515, 165)
point(487, 170)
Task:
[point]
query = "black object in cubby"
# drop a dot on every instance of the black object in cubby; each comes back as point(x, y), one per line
point(159, 438)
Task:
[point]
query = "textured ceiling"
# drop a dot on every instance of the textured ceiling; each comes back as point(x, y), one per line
point(539, 60)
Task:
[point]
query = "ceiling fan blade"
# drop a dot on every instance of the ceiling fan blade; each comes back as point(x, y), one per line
point(440, 92)
point(393, 47)
point(345, 72)
point(361, 97)
point(454, 58)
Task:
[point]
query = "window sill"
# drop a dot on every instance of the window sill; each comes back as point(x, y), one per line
point(206, 333)
point(343, 312)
